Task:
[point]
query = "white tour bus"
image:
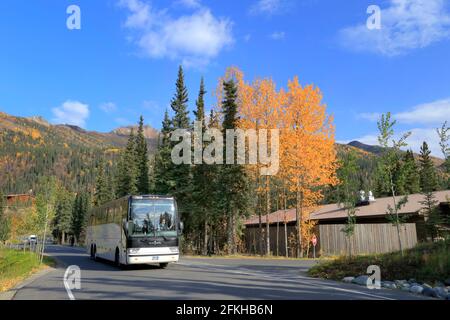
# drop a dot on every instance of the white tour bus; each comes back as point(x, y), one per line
point(135, 230)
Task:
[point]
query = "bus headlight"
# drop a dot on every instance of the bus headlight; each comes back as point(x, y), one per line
point(173, 249)
point(134, 251)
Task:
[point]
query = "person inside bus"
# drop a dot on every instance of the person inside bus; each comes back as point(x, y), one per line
point(145, 227)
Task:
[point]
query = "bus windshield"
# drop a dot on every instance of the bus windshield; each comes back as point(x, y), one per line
point(153, 217)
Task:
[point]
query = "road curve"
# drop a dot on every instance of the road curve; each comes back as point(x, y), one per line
point(196, 278)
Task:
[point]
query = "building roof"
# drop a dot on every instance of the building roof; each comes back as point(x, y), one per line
point(335, 211)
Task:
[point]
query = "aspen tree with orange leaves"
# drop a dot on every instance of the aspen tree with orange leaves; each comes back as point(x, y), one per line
point(308, 153)
point(260, 111)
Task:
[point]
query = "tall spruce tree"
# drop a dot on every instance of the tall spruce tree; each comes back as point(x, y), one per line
point(201, 178)
point(142, 160)
point(79, 215)
point(412, 177)
point(179, 103)
point(126, 179)
point(63, 214)
point(181, 174)
point(102, 187)
point(428, 184)
point(233, 178)
point(164, 182)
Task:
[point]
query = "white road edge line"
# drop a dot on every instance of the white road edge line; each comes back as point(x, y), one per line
point(290, 280)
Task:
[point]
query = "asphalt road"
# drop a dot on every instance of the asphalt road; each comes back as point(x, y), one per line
point(196, 278)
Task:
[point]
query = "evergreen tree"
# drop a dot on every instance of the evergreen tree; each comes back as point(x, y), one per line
point(142, 160)
point(164, 182)
point(63, 214)
point(412, 177)
point(428, 184)
point(102, 186)
point(201, 178)
point(428, 178)
point(233, 178)
point(179, 103)
point(127, 172)
point(180, 175)
point(79, 215)
point(4, 221)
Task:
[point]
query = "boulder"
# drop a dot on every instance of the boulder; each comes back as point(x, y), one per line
point(400, 283)
point(428, 292)
point(388, 284)
point(441, 292)
point(348, 279)
point(405, 287)
point(417, 289)
point(426, 285)
point(361, 280)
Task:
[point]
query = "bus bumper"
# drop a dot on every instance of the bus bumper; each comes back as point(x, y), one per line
point(152, 259)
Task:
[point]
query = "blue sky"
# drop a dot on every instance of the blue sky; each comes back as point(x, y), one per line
point(123, 62)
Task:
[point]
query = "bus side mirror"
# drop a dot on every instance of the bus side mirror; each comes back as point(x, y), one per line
point(181, 226)
point(129, 227)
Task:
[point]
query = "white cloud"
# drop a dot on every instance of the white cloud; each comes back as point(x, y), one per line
point(371, 116)
point(194, 38)
point(279, 35)
point(429, 113)
point(268, 7)
point(435, 112)
point(71, 112)
point(108, 107)
point(405, 25)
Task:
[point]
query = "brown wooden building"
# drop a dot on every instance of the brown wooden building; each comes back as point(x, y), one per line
point(19, 200)
point(373, 232)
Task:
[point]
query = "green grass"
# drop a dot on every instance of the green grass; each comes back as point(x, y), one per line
point(427, 262)
point(16, 265)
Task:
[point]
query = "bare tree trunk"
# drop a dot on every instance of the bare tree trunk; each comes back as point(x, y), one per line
point(261, 235)
point(267, 216)
point(205, 239)
point(278, 237)
point(396, 215)
point(286, 240)
point(230, 227)
point(297, 224)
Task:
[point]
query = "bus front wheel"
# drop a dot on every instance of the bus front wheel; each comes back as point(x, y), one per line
point(117, 259)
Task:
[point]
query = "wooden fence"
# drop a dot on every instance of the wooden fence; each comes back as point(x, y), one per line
point(368, 238)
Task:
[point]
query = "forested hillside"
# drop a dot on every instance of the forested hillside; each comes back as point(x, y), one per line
point(31, 148)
